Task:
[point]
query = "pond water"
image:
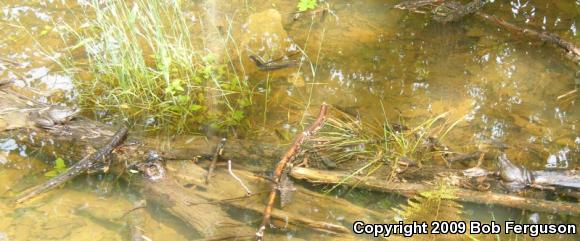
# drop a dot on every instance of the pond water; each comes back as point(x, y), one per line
point(507, 91)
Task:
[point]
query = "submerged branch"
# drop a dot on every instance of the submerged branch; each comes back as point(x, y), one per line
point(572, 50)
point(77, 169)
point(282, 165)
point(418, 6)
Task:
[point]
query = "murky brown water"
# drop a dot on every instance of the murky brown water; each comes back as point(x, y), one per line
point(505, 88)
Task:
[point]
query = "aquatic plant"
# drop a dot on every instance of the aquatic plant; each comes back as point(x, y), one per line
point(144, 63)
point(58, 168)
point(364, 147)
point(435, 205)
point(304, 5)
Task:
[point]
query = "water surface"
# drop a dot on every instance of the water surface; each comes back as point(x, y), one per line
point(363, 55)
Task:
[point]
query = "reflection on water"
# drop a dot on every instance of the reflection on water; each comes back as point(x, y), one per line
point(503, 86)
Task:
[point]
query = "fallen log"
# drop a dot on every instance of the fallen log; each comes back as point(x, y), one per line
point(78, 168)
point(308, 209)
point(412, 189)
point(557, 178)
point(209, 220)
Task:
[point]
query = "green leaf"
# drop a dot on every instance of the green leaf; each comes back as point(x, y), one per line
point(59, 164)
point(237, 115)
point(174, 87)
point(59, 167)
point(51, 173)
point(182, 99)
point(304, 5)
point(244, 102)
point(195, 107)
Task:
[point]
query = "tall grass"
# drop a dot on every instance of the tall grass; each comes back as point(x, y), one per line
point(147, 62)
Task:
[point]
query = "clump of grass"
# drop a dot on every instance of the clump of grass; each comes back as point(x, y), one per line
point(365, 148)
point(144, 64)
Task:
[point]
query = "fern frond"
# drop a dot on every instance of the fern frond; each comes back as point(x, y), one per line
point(435, 205)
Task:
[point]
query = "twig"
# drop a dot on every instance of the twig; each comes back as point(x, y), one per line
point(282, 165)
point(567, 94)
point(248, 192)
point(218, 152)
point(135, 221)
point(136, 206)
point(78, 168)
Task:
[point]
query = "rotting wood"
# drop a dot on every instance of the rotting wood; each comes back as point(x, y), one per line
point(78, 168)
point(298, 213)
point(185, 195)
point(209, 220)
point(282, 165)
point(412, 189)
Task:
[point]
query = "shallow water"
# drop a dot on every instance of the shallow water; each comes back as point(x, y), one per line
point(364, 55)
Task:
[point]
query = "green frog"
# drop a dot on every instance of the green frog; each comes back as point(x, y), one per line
point(55, 116)
point(514, 177)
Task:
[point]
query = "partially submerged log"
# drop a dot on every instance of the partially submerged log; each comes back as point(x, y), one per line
point(209, 220)
point(78, 168)
point(557, 178)
point(185, 194)
point(412, 189)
